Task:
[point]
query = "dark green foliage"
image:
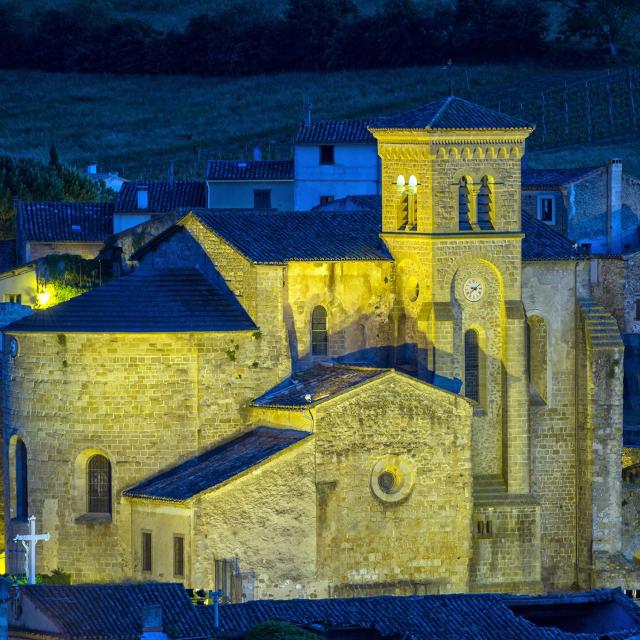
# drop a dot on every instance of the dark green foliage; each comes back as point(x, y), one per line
point(28, 179)
point(245, 38)
point(278, 630)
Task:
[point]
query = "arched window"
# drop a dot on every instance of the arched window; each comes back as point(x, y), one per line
point(537, 357)
point(98, 485)
point(471, 365)
point(485, 205)
point(464, 209)
point(22, 485)
point(319, 332)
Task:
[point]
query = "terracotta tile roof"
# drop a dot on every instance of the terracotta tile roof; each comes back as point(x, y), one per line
point(113, 611)
point(446, 113)
point(217, 465)
point(319, 383)
point(65, 221)
point(276, 237)
point(250, 170)
point(171, 300)
point(533, 179)
point(163, 196)
point(461, 616)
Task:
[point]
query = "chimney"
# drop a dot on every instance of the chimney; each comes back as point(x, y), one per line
point(143, 197)
point(92, 168)
point(152, 623)
point(257, 153)
point(614, 205)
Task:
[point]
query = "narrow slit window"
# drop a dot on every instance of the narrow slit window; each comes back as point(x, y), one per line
point(22, 485)
point(178, 556)
point(319, 338)
point(146, 552)
point(471, 365)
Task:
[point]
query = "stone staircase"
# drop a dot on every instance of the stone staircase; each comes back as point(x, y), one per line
point(601, 328)
point(490, 491)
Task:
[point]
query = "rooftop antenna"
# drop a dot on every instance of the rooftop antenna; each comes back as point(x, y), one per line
point(307, 111)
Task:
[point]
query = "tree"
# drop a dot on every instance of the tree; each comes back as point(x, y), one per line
point(602, 23)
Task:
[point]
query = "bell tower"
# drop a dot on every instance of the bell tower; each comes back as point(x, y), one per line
point(451, 217)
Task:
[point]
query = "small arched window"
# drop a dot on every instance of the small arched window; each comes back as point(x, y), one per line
point(98, 485)
point(464, 209)
point(471, 365)
point(319, 332)
point(485, 205)
point(22, 485)
point(537, 357)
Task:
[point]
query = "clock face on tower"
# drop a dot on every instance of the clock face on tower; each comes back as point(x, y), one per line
point(473, 289)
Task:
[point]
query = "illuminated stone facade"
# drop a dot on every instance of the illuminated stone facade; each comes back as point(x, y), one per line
point(404, 485)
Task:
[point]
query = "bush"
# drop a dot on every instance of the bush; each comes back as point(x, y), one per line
point(278, 630)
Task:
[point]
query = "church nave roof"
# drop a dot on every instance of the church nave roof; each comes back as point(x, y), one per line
point(171, 300)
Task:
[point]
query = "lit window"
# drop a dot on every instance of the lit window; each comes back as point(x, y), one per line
point(471, 366)
point(178, 556)
point(327, 154)
point(262, 198)
point(547, 209)
point(22, 485)
point(98, 485)
point(319, 337)
point(146, 552)
point(400, 181)
point(413, 181)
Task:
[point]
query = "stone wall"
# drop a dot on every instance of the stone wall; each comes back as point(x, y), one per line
point(423, 435)
point(548, 288)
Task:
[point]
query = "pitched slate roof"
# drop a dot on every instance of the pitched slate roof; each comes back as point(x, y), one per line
point(461, 616)
point(335, 131)
point(249, 170)
point(541, 242)
point(446, 113)
point(277, 237)
point(450, 113)
point(65, 221)
point(163, 196)
point(319, 382)
point(216, 466)
point(113, 611)
point(171, 300)
point(536, 178)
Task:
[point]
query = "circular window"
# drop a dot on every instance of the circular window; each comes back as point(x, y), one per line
point(392, 478)
point(412, 288)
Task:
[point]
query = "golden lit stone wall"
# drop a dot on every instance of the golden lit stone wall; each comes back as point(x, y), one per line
point(365, 542)
point(358, 298)
point(267, 519)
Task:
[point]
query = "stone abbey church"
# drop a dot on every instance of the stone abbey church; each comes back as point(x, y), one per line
point(422, 399)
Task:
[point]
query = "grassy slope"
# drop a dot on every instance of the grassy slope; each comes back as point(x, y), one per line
point(137, 125)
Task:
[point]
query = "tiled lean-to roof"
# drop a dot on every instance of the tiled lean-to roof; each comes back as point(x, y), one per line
point(216, 466)
point(111, 611)
point(171, 300)
point(316, 384)
point(163, 196)
point(277, 237)
point(446, 113)
point(65, 221)
point(250, 170)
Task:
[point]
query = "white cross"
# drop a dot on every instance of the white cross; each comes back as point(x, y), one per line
point(29, 542)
